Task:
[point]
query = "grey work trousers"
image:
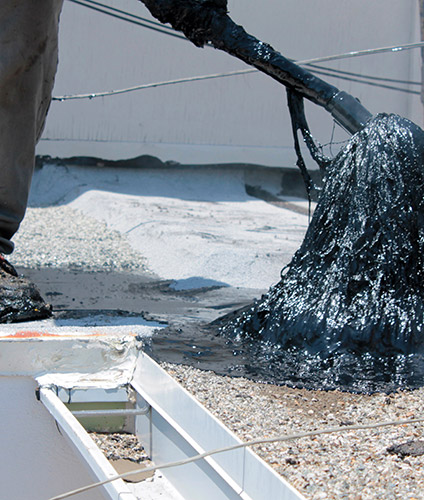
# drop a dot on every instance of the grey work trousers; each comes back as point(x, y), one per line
point(28, 62)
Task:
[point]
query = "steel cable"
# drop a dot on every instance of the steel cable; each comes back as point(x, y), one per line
point(394, 49)
point(143, 23)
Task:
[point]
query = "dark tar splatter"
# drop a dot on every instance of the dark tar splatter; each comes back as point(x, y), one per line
point(349, 311)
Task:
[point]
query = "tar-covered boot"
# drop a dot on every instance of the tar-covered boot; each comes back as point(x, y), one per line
point(19, 298)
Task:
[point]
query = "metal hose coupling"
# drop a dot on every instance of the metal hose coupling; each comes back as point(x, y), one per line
point(348, 112)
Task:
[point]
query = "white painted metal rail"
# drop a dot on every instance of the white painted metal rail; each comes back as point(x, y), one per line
point(85, 447)
point(178, 427)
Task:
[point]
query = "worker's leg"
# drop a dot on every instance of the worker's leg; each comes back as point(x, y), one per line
point(28, 61)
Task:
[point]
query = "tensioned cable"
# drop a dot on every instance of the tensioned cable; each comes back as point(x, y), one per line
point(356, 53)
point(347, 55)
point(366, 82)
point(253, 442)
point(149, 86)
point(162, 29)
point(129, 14)
point(204, 77)
point(366, 77)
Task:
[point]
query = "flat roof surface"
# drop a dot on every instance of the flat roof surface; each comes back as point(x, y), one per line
point(129, 250)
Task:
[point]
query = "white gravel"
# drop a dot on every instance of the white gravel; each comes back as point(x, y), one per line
point(118, 446)
point(60, 236)
point(354, 465)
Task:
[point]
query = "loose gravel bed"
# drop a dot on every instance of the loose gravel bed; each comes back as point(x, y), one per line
point(65, 238)
point(120, 446)
point(353, 465)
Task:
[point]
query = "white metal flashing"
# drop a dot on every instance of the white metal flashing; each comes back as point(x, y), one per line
point(70, 362)
point(173, 425)
point(178, 426)
point(85, 447)
point(86, 391)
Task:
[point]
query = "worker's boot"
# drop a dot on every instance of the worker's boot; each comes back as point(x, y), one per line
point(19, 298)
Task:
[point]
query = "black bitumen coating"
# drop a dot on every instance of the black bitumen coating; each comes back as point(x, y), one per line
point(349, 310)
point(347, 314)
point(206, 21)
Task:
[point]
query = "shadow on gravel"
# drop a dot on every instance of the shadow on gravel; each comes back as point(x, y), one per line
point(187, 306)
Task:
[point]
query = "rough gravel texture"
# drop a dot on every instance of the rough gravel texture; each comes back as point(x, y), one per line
point(354, 465)
point(118, 446)
point(64, 237)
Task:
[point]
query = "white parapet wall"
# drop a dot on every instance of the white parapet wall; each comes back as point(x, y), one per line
point(237, 119)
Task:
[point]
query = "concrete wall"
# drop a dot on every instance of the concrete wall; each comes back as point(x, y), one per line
point(241, 119)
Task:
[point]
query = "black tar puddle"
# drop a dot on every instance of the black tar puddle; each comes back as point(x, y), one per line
point(193, 339)
point(348, 313)
point(270, 363)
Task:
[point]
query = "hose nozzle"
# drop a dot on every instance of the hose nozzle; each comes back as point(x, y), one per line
point(348, 112)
